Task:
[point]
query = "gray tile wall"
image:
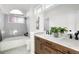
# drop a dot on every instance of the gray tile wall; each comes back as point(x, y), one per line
point(10, 27)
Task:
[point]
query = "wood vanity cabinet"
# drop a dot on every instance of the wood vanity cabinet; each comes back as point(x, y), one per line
point(43, 46)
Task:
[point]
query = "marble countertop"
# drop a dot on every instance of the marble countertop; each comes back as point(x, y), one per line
point(70, 43)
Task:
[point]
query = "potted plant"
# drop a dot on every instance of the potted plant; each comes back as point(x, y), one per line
point(58, 31)
point(55, 31)
point(62, 30)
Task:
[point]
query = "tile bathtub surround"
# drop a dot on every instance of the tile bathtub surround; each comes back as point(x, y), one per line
point(18, 50)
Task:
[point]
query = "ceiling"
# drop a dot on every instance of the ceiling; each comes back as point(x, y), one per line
point(64, 8)
point(6, 8)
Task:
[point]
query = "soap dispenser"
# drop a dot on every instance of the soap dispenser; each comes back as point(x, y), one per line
point(70, 35)
point(76, 35)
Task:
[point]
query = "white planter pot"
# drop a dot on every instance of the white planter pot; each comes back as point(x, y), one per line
point(56, 35)
point(62, 35)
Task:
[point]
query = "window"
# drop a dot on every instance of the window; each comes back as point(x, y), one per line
point(13, 19)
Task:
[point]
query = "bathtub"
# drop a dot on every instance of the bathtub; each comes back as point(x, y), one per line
point(14, 42)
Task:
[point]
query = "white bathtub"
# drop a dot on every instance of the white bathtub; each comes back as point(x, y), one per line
point(14, 42)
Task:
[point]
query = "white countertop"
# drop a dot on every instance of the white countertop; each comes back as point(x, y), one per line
point(70, 43)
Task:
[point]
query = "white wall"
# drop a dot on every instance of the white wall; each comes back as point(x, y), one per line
point(31, 20)
point(64, 17)
point(77, 20)
point(31, 25)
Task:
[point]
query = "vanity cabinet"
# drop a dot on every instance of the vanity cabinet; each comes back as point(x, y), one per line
point(43, 46)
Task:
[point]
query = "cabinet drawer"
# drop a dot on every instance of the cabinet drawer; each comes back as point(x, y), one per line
point(48, 50)
point(64, 50)
point(60, 48)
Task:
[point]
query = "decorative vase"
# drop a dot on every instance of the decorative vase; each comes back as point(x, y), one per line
point(62, 35)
